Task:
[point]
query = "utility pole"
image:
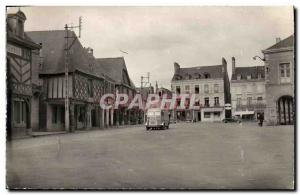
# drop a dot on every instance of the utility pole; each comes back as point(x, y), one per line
point(145, 80)
point(67, 48)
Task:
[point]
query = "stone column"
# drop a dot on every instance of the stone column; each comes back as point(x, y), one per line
point(128, 117)
point(72, 117)
point(88, 116)
point(102, 118)
point(112, 116)
point(193, 115)
point(49, 116)
point(122, 113)
point(107, 117)
point(117, 117)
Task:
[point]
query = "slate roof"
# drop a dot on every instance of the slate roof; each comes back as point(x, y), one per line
point(54, 54)
point(214, 71)
point(287, 42)
point(252, 70)
point(113, 67)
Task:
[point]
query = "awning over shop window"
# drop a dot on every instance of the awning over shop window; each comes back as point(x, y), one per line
point(243, 113)
point(216, 109)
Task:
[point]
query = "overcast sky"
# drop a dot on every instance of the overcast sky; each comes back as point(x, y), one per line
point(156, 37)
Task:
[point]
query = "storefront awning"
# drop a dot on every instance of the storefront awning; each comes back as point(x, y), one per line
point(213, 109)
point(243, 113)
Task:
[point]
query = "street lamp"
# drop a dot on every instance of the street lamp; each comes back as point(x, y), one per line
point(262, 59)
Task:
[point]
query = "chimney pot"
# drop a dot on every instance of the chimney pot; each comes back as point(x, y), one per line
point(176, 66)
point(233, 65)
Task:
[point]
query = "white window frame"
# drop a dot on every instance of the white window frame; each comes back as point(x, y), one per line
point(285, 78)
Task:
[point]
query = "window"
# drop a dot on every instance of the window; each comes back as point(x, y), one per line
point(90, 88)
point(19, 113)
point(206, 75)
point(217, 114)
point(206, 101)
point(266, 57)
point(239, 77)
point(178, 89)
point(206, 114)
point(196, 89)
point(239, 100)
point(206, 90)
point(216, 88)
point(259, 100)
point(249, 101)
point(187, 89)
point(187, 76)
point(217, 103)
point(248, 77)
point(285, 72)
point(197, 76)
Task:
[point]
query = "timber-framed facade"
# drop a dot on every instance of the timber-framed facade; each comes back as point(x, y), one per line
point(19, 49)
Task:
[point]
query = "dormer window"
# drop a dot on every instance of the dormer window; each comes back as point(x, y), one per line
point(206, 75)
point(178, 77)
point(187, 76)
point(197, 76)
point(239, 77)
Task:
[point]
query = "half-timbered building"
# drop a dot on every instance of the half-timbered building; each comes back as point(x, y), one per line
point(86, 86)
point(116, 69)
point(19, 83)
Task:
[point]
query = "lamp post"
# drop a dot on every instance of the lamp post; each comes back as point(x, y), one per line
point(262, 59)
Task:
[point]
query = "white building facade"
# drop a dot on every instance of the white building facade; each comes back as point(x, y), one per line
point(248, 91)
point(210, 85)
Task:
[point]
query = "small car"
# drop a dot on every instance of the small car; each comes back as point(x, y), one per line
point(231, 120)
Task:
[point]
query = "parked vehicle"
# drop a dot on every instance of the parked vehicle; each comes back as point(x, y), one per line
point(231, 120)
point(157, 119)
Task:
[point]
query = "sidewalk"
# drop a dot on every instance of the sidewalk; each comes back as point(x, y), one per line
point(47, 133)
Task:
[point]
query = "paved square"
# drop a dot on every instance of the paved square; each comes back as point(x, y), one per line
point(188, 155)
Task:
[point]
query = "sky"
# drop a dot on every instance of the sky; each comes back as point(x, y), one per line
point(156, 37)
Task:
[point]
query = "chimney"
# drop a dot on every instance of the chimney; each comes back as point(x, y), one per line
point(224, 63)
point(233, 65)
point(278, 39)
point(176, 66)
point(90, 51)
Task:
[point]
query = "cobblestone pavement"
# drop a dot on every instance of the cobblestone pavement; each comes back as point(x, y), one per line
point(186, 156)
